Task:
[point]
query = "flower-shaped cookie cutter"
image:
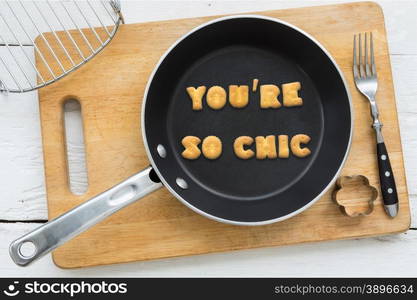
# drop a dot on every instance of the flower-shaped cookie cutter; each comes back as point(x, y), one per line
point(361, 203)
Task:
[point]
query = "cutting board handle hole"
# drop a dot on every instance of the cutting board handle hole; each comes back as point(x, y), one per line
point(75, 147)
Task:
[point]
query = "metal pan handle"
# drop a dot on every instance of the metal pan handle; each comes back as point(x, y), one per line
point(63, 228)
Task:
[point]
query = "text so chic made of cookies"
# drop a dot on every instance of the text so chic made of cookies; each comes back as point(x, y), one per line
point(246, 147)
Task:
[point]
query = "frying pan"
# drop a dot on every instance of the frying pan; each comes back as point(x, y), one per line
point(229, 50)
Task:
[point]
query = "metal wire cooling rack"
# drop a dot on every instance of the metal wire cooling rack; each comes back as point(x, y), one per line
point(60, 36)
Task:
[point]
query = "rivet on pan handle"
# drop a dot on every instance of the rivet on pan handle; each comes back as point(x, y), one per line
point(56, 232)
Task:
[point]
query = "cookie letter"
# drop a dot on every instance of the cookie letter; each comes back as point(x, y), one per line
point(216, 97)
point(239, 144)
point(265, 147)
point(284, 151)
point(296, 147)
point(196, 96)
point(269, 96)
point(212, 147)
point(238, 95)
point(190, 144)
point(255, 84)
point(290, 94)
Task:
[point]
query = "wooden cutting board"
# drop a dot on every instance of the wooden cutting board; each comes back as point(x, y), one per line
point(110, 89)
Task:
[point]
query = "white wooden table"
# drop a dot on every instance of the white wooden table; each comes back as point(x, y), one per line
point(22, 189)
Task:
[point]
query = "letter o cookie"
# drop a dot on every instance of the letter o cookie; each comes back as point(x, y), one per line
point(216, 97)
point(212, 147)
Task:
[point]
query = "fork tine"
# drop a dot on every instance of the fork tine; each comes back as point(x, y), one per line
point(366, 49)
point(355, 65)
point(360, 49)
point(361, 69)
point(372, 57)
point(367, 68)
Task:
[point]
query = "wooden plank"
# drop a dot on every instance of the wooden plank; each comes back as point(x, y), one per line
point(158, 226)
point(391, 256)
point(22, 186)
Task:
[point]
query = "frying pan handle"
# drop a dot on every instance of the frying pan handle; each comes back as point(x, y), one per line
point(63, 228)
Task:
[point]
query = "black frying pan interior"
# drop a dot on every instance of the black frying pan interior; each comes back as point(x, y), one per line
point(235, 51)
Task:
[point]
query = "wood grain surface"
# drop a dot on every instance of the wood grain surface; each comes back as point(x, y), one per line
point(110, 90)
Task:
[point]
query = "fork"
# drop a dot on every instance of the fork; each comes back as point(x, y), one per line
point(364, 73)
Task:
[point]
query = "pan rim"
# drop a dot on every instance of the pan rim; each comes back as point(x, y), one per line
point(185, 202)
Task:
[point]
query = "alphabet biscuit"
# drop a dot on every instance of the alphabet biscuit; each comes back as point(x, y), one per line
point(290, 94)
point(265, 147)
point(284, 151)
point(190, 144)
point(269, 96)
point(216, 97)
point(239, 149)
point(196, 95)
point(238, 95)
point(212, 147)
point(296, 142)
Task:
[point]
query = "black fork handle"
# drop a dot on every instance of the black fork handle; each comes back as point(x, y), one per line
point(387, 181)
